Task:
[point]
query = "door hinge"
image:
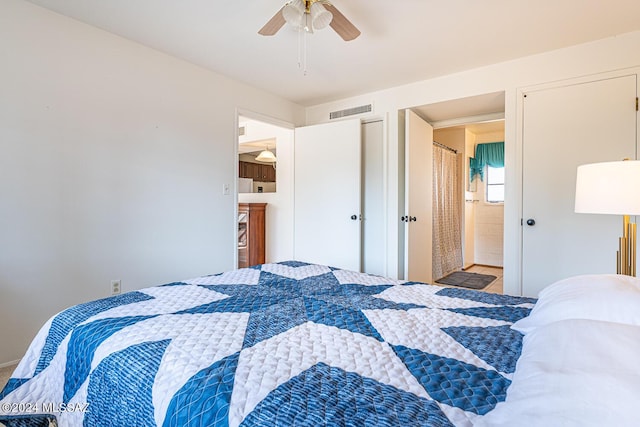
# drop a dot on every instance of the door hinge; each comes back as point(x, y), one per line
point(636, 103)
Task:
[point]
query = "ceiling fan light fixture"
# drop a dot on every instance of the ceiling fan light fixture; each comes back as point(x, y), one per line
point(266, 156)
point(293, 12)
point(326, 13)
point(305, 16)
point(320, 16)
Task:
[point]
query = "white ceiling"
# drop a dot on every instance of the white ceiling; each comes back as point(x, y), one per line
point(473, 109)
point(257, 146)
point(402, 41)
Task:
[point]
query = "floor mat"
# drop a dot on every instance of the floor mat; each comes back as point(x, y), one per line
point(467, 280)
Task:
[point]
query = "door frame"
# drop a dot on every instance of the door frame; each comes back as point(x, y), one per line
point(460, 120)
point(261, 118)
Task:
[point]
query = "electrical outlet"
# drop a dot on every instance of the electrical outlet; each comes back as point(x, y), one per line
point(116, 287)
point(226, 190)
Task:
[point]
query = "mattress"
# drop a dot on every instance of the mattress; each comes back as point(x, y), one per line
point(281, 344)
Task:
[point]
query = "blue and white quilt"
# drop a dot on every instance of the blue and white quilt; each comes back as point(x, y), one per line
point(287, 344)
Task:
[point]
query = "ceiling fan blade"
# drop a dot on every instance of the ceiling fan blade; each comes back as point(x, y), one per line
point(342, 25)
point(274, 24)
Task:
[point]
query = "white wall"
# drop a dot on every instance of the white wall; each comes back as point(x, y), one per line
point(279, 211)
point(113, 158)
point(600, 56)
point(451, 137)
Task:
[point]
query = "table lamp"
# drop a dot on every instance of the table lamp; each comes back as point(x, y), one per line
point(613, 188)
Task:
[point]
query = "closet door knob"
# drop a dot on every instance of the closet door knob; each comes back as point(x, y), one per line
point(531, 222)
point(354, 217)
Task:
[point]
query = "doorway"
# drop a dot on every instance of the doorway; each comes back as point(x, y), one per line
point(461, 125)
point(482, 223)
point(270, 181)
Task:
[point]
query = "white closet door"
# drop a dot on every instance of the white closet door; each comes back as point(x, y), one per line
point(418, 198)
point(327, 194)
point(565, 127)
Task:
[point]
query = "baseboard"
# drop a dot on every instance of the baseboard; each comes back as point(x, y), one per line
point(7, 364)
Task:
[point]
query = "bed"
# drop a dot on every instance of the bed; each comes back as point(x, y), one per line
point(278, 344)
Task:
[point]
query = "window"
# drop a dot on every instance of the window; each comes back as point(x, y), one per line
point(495, 185)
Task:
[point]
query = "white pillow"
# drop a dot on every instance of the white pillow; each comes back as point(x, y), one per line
point(607, 297)
point(574, 373)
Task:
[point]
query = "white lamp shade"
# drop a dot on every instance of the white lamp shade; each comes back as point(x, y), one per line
point(293, 12)
point(320, 17)
point(266, 156)
point(609, 188)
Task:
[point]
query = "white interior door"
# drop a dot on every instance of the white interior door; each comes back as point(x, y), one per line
point(418, 198)
point(327, 194)
point(563, 128)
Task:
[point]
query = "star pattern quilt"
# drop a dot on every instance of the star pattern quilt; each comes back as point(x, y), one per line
point(286, 344)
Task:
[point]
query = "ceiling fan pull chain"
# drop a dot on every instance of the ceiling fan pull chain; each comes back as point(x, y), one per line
point(299, 48)
point(304, 54)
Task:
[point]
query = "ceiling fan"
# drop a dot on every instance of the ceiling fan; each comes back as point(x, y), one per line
point(309, 15)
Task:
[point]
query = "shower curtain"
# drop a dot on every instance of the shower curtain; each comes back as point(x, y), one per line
point(447, 241)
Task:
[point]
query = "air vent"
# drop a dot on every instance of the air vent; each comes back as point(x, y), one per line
point(351, 112)
point(242, 130)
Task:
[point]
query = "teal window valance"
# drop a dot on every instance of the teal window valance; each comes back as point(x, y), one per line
point(489, 154)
